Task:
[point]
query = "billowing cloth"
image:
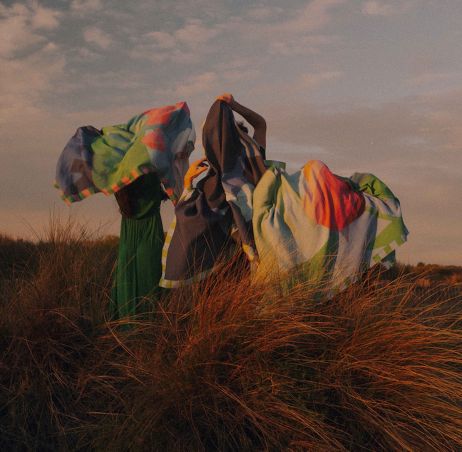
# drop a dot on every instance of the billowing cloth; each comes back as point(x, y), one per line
point(204, 217)
point(159, 140)
point(308, 226)
point(314, 225)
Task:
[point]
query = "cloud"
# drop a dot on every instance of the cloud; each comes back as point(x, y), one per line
point(312, 17)
point(262, 30)
point(44, 18)
point(300, 45)
point(24, 81)
point(186, 44)
point(161, 39)
point(22, 27)
point(98, 37)
point(29, 61)
point(86, 6)
point(202, 83)
point(195, 33)
point(372, 134)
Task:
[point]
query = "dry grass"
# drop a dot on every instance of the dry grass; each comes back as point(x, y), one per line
point(225, 365)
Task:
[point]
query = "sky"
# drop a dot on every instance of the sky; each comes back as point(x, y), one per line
point(363, 85)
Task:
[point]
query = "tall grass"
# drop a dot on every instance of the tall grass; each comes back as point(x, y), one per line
point(225, 365)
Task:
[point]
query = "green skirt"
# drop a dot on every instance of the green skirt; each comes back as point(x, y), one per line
point(139, 266)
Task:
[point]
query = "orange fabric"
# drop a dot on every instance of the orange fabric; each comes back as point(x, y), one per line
point(330, 201)
point(160, 115)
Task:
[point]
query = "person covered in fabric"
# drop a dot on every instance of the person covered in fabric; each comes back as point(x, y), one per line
point(139, 264)
point(206, 215)
point(108, 159)
point(141, 162)
point(311, 225)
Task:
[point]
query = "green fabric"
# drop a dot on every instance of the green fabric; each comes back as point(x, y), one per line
point(140, 249)
point(106, 160)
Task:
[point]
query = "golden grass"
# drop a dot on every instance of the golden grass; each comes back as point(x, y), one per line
point(225, 365)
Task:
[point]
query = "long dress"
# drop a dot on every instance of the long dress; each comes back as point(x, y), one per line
point(140, 250)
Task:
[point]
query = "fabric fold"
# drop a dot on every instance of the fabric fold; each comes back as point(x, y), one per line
point(159, 140)
point(316, 226)
point(201, 232)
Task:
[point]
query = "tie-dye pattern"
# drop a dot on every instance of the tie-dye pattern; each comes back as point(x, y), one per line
point(160, 140)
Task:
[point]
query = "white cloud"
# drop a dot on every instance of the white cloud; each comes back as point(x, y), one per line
point(205, 82)
point(195, 33)
point(44, 18)
point(29, 61)
point(186, 44)
point(24, 81)
point(22, 27)
point(286, 32)
point(300, 45)
point(98, 37)
point(314, 16)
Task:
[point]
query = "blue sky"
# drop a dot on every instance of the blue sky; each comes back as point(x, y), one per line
point(370, 86)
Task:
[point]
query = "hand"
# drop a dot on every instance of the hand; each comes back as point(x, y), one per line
point(196, 168)
point(226, 97)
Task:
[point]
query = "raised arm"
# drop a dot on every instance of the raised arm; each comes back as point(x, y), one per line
point(254, 119)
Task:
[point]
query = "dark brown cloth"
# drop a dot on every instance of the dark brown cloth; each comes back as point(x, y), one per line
point(205, 217)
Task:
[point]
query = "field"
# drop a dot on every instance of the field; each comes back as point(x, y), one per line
point(225, 365)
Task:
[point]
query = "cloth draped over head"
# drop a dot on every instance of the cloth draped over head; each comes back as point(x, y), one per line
point(222, 200)
point(159, 140)
point(311, 225)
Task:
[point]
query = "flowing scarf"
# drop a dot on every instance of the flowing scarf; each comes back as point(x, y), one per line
point(159, 140)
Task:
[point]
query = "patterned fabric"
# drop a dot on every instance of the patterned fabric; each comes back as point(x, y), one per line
point(106, 160)
point(204, 216)
point(314, 225)
point(310, 225)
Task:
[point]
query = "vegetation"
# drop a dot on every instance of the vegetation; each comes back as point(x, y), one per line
point(223, 365)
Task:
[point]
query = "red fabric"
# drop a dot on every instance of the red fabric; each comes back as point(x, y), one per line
point(154, 140)
point(330, 201)
point(162, 115)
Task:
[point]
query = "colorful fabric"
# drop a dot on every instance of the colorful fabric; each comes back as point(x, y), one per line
point(205, 216)
point(314, 225)
point(310, 225)
point(159, 140)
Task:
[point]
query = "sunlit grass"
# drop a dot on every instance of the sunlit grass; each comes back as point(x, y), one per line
point(224, 365)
